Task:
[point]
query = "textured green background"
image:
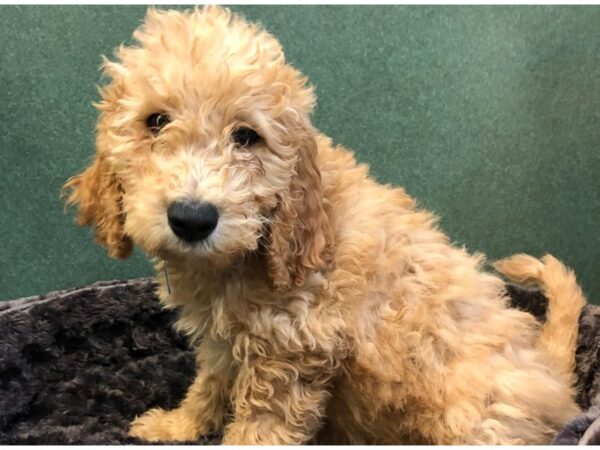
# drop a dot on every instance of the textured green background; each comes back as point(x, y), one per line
point(488, 115)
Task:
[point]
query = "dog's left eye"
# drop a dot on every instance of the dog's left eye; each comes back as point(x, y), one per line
point(245, 137)
point(156, 122)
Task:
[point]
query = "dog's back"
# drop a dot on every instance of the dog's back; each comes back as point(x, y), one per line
point(438, 356)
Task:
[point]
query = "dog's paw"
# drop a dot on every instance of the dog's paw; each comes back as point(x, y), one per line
point(158, 425)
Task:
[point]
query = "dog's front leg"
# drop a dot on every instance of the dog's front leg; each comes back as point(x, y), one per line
point(279, 400)
point(204, 407)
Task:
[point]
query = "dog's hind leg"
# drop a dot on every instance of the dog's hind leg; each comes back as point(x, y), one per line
point(565, 302)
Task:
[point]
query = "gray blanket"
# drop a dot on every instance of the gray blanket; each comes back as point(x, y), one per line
point(77, 366)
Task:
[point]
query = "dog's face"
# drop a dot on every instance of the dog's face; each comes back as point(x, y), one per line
point(205, 149)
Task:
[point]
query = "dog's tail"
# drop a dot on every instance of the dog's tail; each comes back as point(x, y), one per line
point(565, 302)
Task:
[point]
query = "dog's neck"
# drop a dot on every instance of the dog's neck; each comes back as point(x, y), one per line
point(224, 301)
point(175, 274)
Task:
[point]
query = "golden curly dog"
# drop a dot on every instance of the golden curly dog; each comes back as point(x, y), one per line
point(322, 305)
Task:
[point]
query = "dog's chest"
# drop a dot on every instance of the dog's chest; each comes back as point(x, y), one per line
point(245, 311)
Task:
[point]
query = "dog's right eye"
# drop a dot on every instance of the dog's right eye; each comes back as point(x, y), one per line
point(245, 137)
point(156, 122)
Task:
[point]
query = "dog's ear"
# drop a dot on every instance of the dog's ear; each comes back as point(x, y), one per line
point(98, 194)
point(300, 235)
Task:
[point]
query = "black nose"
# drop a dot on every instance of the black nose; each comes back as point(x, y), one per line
point(192, 221)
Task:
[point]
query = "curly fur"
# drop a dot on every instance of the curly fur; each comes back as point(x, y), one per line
point(585, 428)
point(99, 197)
point(327, 304)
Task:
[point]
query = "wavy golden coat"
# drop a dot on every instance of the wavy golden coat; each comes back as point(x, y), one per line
point(324, 305)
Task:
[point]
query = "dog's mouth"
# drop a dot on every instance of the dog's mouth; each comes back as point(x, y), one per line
point(177, 248)
point(199, 233)
point(216, 250)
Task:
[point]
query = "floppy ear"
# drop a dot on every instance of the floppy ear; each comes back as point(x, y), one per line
point(300, 239)
point(98, 194)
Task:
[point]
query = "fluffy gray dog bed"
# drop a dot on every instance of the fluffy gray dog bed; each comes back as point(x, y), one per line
point(77, 366)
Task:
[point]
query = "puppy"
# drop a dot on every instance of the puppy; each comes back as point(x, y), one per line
point(321, 304)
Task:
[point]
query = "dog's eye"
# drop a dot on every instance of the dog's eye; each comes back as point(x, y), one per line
point(245, 137)
point(156, 121)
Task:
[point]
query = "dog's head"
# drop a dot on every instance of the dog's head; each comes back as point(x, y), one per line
point(205, 149)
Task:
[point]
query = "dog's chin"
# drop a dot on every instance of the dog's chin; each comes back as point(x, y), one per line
point(201, 254)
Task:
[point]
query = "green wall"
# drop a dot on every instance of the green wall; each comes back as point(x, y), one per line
point(488, 115)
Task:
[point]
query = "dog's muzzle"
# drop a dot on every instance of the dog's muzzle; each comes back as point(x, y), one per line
point(192, 221)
